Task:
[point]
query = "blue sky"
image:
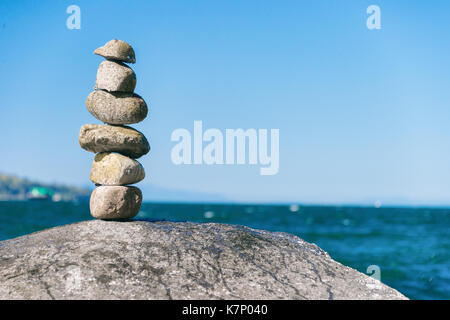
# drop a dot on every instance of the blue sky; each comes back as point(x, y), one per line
point(363, 115)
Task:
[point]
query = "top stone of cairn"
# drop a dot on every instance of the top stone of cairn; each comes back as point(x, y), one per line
point(117, 50)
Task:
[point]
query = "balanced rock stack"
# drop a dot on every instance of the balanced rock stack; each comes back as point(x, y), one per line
point(117, 146)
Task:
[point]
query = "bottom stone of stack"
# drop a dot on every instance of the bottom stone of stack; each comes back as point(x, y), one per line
point(115, 202)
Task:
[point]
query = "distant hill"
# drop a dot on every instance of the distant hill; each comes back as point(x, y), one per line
point(156, 193)
point(17, 189)
point(13, 188)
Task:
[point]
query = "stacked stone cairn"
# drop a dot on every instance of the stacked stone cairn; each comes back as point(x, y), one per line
point(115, 144)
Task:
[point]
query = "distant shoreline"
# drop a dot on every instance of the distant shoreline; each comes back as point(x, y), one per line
point(13, 188)
point(254, 204)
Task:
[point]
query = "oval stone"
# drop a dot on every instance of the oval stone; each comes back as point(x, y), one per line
point(114, 169)
point(117, 50)
point(115, 76)
point(105, 138)
point(118, 202)
point(117, 107)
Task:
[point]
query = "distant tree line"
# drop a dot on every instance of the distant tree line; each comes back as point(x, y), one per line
point(18, 189)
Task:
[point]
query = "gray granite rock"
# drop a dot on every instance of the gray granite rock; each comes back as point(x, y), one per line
point(115, 202)
point(117, 50)
point(115, 76)
point(105, 138)
point(168, 260)
point(114, 169)
point(116, 108)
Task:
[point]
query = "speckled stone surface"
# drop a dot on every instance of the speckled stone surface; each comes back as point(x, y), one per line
point(117, 50)
point(175, 260)
point(114, 169)
point(105, 138)
point(116, 108)
point(115, 76)
point(115, 202)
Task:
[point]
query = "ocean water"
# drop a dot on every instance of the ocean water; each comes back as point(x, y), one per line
point(409, 246)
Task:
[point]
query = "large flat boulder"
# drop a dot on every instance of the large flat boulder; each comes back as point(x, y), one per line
point(175, 260)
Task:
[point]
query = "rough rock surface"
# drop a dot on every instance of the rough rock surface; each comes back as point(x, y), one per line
point(117, 50)
point(105, 138)
point(114, 169)
point(168, 260)
point(118, 202)
point(116, 108)
point(115, 76)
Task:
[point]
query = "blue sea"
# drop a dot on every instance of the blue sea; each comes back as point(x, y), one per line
point(410, 246)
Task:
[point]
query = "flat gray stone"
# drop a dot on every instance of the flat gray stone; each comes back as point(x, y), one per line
point(117, 50)
point(116, 107)
point(114, 169)
point(115, 76)
point(115, 202)
point(121, 139)
point(175, 260)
